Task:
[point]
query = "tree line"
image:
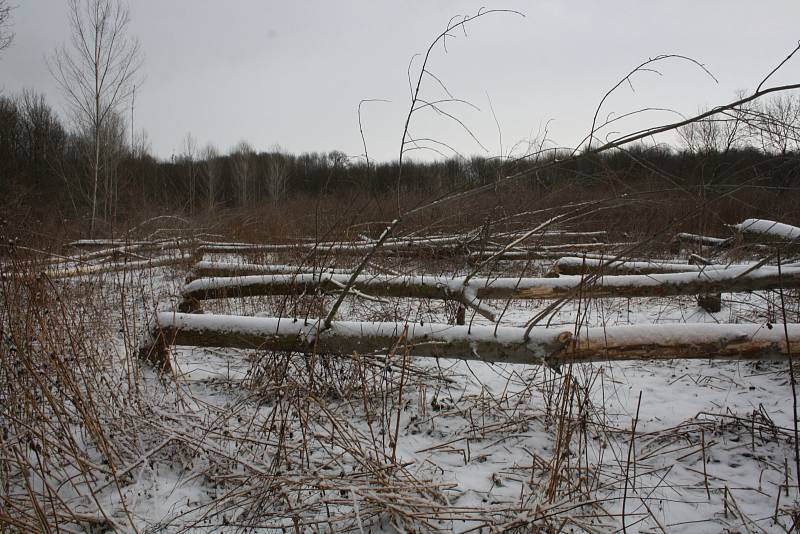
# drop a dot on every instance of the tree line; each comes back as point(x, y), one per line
point(92, 168)
point(47, 166)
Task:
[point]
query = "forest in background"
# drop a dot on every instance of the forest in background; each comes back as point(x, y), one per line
point(741, 165)
point(86, 172)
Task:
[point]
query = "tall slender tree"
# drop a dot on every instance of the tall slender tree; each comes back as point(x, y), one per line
point(189, 159)
point(243, 163)
point(96, 72)
point(211, 171)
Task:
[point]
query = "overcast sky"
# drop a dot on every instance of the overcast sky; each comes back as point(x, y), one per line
point(292, 73)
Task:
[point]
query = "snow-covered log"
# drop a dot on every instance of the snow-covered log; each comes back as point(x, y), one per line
point(553, 234)
point(771, 229)
point(94, 244)
point(684, 341)
point(553, 346)
point(434, 287)
point(573, 265)
point(704, 240)
point(543, 251)
point(730, 280)
point(83, 270)
point(504, 344)
point(209, 269)
point(734, 279)
point(710, 301)
point(447, 244)
point(134, 248)
point(424, 287)
point(406, 246)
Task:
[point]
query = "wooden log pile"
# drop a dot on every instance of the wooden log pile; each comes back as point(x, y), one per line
point(589, 276)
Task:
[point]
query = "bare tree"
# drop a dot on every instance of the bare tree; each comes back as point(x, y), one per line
point(189, 158)
point(6, 36)
point(211, 171)
point(777, 125)
point(140, 146)
point(277, 176)
point(702, 137)
point(243, 167)
point(96, 72)
point(42, 134)
point(112, 139)
point(715, 134)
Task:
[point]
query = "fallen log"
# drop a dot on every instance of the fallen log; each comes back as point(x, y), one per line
point(133, 248)
point(398, 244)
point(426, 287)
point(504, 344)
point(543, 251)
point(735, 279)
point(406, 246)
point(94, 244)
point(85, 270)
point(553, 234)
point(730, 280)
point(770, 229)
point(435, 287)
point(209, 269)
point(685, 341)
point(573, 265)
point(703, 240)
point(556, 255)
point(445, 244)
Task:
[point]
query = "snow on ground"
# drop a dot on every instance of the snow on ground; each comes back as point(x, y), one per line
point(277, 442)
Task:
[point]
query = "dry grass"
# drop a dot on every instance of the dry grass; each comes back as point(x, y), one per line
point(93, 440)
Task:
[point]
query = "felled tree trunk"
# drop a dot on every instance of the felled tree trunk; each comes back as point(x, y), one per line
point(573, 265)
point(715, 242)
point(550, 346)
point(211, 269)
point(478, 289)
point(85, 270)
point(771, 230)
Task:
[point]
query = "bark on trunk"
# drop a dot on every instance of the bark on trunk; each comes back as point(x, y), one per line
point(551, 346)
point(478, 289)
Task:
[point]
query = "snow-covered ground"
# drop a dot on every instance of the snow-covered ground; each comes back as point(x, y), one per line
point(238, 440)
